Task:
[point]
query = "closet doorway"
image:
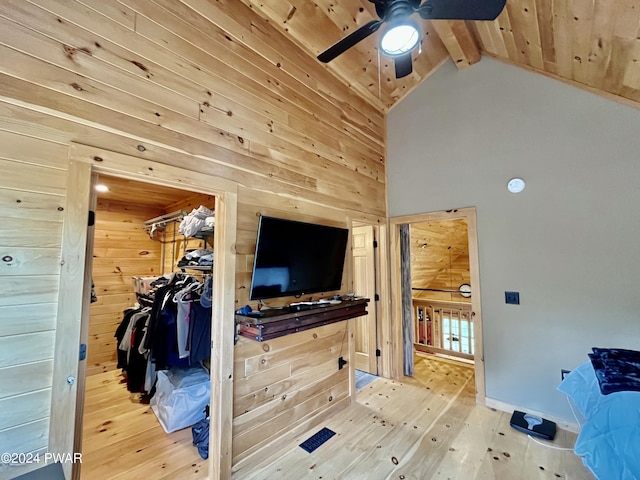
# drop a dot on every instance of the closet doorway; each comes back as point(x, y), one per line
point(137, 241)
point(85, 164)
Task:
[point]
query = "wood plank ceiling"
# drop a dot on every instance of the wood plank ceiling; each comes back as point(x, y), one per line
point(593, 44)
point(149, 195)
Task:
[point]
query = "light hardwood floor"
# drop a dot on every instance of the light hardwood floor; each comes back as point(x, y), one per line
point(425, 427)
point(122, 438)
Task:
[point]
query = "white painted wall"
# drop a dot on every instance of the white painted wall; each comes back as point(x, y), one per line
point(570, 243)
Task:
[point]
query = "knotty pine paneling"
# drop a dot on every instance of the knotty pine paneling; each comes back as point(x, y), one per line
point(122, 250)
point(284, 382)
point(589, 44)
point(290, 381)
point(316, 25)
point(440, 258)
point(318, 127)
point(209, 87)
point(32, 202)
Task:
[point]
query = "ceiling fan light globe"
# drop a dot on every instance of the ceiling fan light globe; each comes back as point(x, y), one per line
point(399, 39)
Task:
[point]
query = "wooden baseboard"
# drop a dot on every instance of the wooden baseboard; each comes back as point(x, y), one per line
point(507, 407)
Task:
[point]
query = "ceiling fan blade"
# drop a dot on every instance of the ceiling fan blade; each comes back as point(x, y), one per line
point(349, 41)
point(461, 9)
point(403, 64)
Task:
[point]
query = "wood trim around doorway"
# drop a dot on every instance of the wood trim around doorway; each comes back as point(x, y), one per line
point(468, 214)
point(222, 331)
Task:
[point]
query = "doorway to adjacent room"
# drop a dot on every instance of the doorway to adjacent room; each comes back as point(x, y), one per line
point(435, 289)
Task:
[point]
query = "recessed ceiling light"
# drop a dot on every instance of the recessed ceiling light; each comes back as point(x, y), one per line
point(102, 188)
point(516, 185)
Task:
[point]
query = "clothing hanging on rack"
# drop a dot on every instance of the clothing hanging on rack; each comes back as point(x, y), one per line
point(131, 358)
point(183, 299)
point(173, 329)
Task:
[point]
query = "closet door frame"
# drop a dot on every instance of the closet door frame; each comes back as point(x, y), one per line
point(91, 160)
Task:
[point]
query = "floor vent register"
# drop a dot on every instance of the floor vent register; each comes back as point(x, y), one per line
point(316, 440)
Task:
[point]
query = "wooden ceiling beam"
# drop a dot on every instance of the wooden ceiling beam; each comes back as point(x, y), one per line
point(459, 41)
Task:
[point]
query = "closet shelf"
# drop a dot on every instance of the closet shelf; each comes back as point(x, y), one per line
point(199, 268)
point(165, 219)
point(203, 234)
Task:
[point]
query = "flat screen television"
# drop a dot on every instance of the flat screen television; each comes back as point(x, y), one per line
point(295, 258)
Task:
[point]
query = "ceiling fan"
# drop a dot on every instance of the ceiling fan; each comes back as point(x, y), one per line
point(402, 34)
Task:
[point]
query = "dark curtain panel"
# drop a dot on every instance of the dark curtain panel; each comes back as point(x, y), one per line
point(407, 304)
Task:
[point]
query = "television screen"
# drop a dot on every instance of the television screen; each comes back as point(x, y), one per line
point(296, 258)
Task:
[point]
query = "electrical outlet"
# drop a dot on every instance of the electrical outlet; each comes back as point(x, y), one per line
point(512, 298)
point(564, 373)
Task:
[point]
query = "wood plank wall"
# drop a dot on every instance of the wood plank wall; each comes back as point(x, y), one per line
point(272, 119)
point(449, 278)
point(440, 259)
point(122, 250)
point(292, 379)
point(32, 199)
point(205, 86)
point(283, 385)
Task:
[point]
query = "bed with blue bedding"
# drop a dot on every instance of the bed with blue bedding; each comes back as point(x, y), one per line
point(605, 394)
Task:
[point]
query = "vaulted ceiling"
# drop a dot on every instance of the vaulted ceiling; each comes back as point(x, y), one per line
point(594, 44)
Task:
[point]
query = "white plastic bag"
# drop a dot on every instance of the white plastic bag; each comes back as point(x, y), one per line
point(181, 397)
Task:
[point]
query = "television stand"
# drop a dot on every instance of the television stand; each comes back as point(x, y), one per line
point(278, 322)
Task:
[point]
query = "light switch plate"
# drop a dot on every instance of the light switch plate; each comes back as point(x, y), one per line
point(512, 298)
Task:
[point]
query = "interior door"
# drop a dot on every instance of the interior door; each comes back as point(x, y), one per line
point(364, 285)
point(71, 294)
point(84, 327)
